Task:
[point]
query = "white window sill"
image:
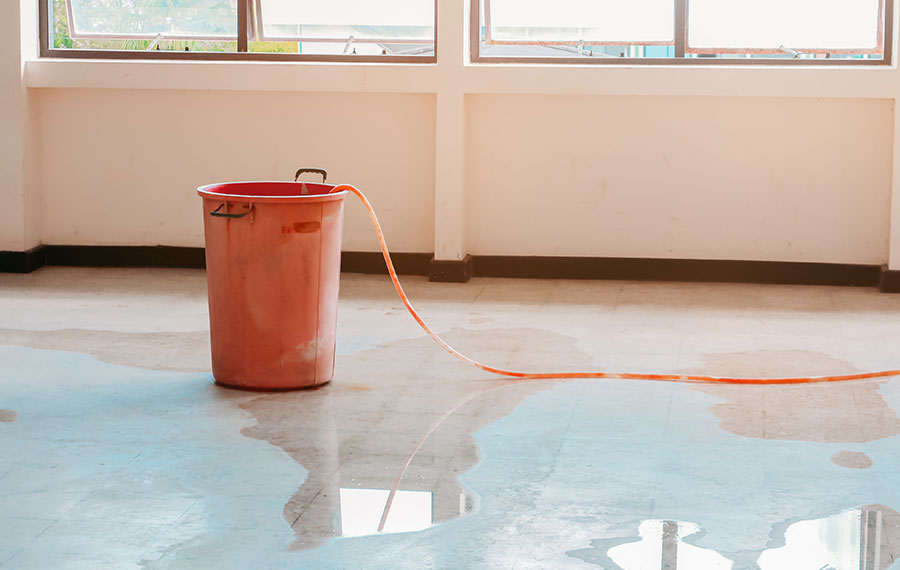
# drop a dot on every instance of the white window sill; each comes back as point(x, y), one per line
point(481, 78)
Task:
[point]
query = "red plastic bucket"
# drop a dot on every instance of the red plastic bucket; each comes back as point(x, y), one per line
point(273, 260)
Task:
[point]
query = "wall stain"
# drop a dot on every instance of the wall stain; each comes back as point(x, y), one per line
point(841, 412)
point(358, 430)
point(8, 416)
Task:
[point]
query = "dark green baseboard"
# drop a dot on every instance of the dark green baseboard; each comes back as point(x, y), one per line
point(690, 270)
point(629, 269)
point(23, 261)
point(890, 281)
point(125, 256)
point(444, 271)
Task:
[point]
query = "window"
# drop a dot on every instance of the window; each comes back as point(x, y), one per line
point(683, 31)
point(356, 30)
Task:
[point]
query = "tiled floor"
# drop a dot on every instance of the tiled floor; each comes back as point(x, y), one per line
point(117, 451)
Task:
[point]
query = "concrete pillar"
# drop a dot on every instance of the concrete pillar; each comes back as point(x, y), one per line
point(894, 260)
point(19, 171)
point(450, 260)
point(449, 203)
point(890, 277)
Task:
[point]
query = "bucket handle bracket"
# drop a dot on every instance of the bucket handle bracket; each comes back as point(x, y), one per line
point(321, 171)
point(217, 214)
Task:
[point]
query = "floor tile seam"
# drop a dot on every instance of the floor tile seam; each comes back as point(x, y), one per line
point(471, 305)
point(40, 534)
point(441, 462)
point(157, 540)
point(668, 424)
point(562, 442)
point(680, 352)
point(519, 553)
point(21, 548)
point(309, 503)
point(483, 288)
point(155, 520)
point(160, 536)
point(337, 436)
point(863, 432)
point(210, 485)
point(188, 509)
point(13, 553)
point(132, 460)
point(517, 348)
point(83, 495)
point(480, 455)
point(150, 477)
point(271, 552)
point(534, 518)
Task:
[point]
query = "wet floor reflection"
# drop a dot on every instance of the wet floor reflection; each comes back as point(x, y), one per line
point(662, 546)
point(614, 453)
point(540, 480)
point(354, 439)
point(352, 467)
point(363, 509)
point(856, 539)
point(865, 538)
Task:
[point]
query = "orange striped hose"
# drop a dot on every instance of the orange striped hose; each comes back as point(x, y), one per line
point(569, 375)
point(516, 375)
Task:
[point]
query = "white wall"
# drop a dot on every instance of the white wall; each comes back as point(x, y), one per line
point(759, 178)
point(784, 179)
point(122, 166)
point(760, 163)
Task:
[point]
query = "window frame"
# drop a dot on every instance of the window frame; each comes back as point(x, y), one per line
point(242, 54)
point(682, 49)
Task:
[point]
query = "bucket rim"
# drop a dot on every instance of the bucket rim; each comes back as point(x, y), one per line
point(205, 191)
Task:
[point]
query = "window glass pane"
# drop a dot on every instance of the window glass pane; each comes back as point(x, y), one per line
point(338, 20)
point(794, 24)
point(172, 18)
point(140, 25)
point(573, 21)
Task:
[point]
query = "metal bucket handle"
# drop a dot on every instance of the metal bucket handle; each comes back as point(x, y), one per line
point(217, 214)
point(321, 171)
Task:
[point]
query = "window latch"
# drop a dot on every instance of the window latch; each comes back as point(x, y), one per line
point(155, 43)
point(793, 52)
point(349, 43)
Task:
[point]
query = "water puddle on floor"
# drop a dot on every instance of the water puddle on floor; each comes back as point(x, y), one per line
point(642, 472)
point(170, 350)
point(864, 538)
point(843, 412)
point(527, 475)
point(356, 434)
